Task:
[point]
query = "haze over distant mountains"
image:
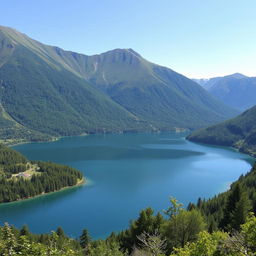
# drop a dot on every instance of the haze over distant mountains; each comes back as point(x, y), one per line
point(46, 91)
point(236, 90)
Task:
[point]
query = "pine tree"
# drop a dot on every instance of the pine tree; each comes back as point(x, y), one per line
point(60, 232)
point(240, 213)
point(24, 231)
point(85, 239)
point(212, 225)
point(236, 209)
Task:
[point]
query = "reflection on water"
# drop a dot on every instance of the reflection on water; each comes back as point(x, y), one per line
point(126, 173)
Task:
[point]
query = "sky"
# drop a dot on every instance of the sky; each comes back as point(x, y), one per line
point(197, 38)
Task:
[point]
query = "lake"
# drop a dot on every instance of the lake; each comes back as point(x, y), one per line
point(126, 173)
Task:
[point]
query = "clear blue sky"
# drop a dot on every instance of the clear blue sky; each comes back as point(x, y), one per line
point(198, 38)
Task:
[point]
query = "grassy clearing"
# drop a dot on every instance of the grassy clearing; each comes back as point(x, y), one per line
point(32, 169)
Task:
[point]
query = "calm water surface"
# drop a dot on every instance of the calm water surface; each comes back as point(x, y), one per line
point(126, 173)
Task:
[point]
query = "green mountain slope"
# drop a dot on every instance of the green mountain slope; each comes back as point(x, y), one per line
point(46, 91)
point(151, 92)
point(55, 101)
point(237, 91)
point(239, 132)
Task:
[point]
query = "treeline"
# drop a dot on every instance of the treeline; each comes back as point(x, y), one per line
point(52, 177)
point(11, 162)
point(178, 235)
point(21, 242)
point(9, 156)
point(239, 132)
point(176, 231)
point(222, 226)
point(227, 211)
point(47, 177)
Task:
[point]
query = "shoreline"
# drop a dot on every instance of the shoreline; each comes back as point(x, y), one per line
point(27, 142)
point(175, 130)
point(81, 182)
point(249, 153)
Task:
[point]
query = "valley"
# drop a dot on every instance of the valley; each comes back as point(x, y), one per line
point(124, 170)
point(94, 145)
point(47, 92)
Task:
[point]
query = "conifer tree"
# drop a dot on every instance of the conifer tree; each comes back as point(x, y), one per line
point(85, 239)
point(240, 213)
point(24, 231)
point(237, 207)
point(60, 232)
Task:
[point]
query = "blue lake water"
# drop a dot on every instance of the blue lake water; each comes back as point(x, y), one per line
point(126, 173)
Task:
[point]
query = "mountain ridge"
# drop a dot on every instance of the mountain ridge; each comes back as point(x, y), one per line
point(236, 90)
point(49, 90)
point(239, 132)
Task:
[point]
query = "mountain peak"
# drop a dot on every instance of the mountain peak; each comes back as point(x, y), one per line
point(237, 76)
point(122, 51)
point(118, 56)
point(117, 90)
point(133, 52)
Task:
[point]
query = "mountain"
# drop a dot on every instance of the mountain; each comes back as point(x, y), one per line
point(207, 83)
point(39, 95)
point(239, 132)
point(153, 93)
point(201, 81)
point(46, 91)
point(237, 90)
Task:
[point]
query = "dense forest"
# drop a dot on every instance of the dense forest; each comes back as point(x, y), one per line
point(21, 178)
point(228, 210)
point(222, 226)
point(46, 92)
point(239, 132)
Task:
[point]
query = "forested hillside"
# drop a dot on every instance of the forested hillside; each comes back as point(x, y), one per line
point(229, 209)
point(239, 132)
point(153, 93)
point(21, 178)
point(224, 225)
point(21, 242)
point(46, 92)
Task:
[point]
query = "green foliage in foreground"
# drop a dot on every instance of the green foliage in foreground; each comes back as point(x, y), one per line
point(223, 244)
point(229, 210)
point(13, 242)
point(223, 225)
point(22, 242)
point(182, 232)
